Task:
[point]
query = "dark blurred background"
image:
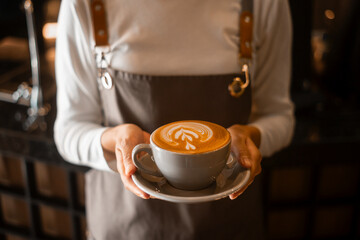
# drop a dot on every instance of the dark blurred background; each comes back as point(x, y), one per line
point(311, 189)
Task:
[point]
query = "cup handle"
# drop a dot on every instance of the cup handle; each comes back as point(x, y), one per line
point(144, 148)
point(231, 161)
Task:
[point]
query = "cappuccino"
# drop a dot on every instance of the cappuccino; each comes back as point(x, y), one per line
point(191, 137)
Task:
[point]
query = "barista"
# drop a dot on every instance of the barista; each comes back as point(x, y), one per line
point(170, 61)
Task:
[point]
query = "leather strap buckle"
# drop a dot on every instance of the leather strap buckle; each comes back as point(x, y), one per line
point(238, 86)
point(104, 77)
point(101, 43)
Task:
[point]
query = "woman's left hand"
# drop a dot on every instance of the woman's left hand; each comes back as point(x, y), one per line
point(244, 145)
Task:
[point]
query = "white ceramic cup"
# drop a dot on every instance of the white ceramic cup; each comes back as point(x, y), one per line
point(181, 170)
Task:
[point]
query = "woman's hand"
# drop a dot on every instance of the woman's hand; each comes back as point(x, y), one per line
point(244, 145)
point(119, 142)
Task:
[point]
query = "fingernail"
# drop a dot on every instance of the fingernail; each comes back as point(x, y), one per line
point(233, 196)
point(245, 161)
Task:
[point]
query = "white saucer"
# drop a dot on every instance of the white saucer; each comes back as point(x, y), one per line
point(229, 181)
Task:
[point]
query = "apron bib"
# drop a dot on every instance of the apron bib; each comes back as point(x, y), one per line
point(149, 102)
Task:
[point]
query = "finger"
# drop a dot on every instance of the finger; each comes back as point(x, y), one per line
point(242, 153)
point(255, 156)
point(127, 180)
point(241, 191)
point(253, 150)
point(129, 166)
point(131, 186)
point(119, 161)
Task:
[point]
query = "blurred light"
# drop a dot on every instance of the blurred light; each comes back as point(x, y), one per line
point(50, 54)
point(329, 14)
point(49, 31)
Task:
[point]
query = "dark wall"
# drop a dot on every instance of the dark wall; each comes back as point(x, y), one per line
point(302, 25)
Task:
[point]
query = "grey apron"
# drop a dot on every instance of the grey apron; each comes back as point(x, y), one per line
point(149, 102)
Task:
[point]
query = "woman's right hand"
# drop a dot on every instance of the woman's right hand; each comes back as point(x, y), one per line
point(119, 142)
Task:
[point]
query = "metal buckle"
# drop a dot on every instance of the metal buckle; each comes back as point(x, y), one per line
point(106, 80)
point(104, 77)
point(238, 86)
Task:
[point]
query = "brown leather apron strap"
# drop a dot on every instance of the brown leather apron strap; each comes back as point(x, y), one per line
point(246, 30)
point(246, 22)
point(239, 83)
point(99, 23)
point(101, 43)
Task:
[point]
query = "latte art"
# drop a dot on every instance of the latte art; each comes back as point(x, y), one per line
point(187, 133)
point(191, 136)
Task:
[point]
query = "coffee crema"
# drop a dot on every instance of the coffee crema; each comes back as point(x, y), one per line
point(191, 137)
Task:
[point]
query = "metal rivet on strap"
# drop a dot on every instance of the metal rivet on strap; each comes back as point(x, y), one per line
point(101, 32)
point(98, 7)
point(247, 19)
point(247, 44)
